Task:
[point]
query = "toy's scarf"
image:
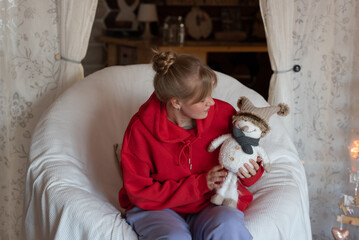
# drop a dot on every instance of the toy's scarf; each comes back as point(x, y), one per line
point(245, 142)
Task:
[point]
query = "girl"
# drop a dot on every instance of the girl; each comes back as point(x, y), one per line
point(169, 176)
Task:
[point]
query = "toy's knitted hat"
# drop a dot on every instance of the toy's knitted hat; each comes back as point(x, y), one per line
point(260, 115)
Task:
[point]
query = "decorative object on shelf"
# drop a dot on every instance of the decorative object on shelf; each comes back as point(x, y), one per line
point(147, 13)
point(126, 13)
point(173, 31)
point(198, 23)
point(349, 203)
point(340, 234)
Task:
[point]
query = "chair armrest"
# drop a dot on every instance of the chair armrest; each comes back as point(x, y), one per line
point(280, 197)
point(61, 200)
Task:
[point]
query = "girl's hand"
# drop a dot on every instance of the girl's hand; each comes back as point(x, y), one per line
point(215, 177)
point(251, 170)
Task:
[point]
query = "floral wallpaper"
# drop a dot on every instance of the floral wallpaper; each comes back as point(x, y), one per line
point(28, 83)
point(324, 37)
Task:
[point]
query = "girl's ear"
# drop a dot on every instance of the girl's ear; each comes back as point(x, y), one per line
point(175, 103)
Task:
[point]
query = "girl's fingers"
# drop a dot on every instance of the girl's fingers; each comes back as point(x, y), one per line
point(244, 173)
point(216, 176)
point(250, 170)
point(255, 165)
point(240, 175)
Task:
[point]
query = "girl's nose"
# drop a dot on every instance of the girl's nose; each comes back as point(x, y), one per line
point(210, 101)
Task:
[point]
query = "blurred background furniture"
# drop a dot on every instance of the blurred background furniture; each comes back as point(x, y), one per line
point(228, 35)
point(245, 61)
point(143, 48)
point(73, 177)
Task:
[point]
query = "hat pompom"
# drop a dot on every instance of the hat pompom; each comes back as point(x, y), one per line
point(240, 102)
point(284, 109)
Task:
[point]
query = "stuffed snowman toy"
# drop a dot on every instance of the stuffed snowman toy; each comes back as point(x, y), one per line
point(249, 125)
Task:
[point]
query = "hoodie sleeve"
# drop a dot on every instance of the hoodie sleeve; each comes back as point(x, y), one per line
point(140, 150)
point(146, 193)
point(252, 180)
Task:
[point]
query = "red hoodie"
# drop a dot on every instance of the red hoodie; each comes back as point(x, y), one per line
point(165, 166)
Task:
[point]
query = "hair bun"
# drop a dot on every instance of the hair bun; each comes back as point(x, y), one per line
point(162, 61)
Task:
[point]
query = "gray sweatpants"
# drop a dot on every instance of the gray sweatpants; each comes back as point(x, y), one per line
point(213, 222)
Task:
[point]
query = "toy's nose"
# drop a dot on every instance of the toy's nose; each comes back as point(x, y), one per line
point(244, 128)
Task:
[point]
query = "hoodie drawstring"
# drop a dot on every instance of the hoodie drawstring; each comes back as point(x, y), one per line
point(182, 155)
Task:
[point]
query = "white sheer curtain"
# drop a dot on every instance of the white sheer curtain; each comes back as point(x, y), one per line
point(30, 79)
point(278, 23)
point(324, 41)
point(76, 19)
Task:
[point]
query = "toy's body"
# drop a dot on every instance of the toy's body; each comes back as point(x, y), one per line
point(231, 155)
point(241, 146)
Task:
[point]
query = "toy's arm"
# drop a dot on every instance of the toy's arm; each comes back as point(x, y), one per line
point(218, 141)
point(263, 154)
point(265, 159)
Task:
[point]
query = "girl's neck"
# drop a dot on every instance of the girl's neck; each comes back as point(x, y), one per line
point(178, 118)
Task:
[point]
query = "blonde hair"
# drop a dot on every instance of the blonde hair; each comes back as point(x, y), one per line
point(181, 76)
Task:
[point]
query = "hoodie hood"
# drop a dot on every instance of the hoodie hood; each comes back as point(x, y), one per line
point(153, 115)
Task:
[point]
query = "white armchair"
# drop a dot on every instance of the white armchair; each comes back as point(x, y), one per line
point(73, 177)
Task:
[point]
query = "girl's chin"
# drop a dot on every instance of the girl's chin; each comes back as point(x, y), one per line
point(203, 116)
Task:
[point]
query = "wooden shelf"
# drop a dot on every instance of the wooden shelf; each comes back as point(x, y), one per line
point(199, 49)
point(216, 3)
point(348, 220)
